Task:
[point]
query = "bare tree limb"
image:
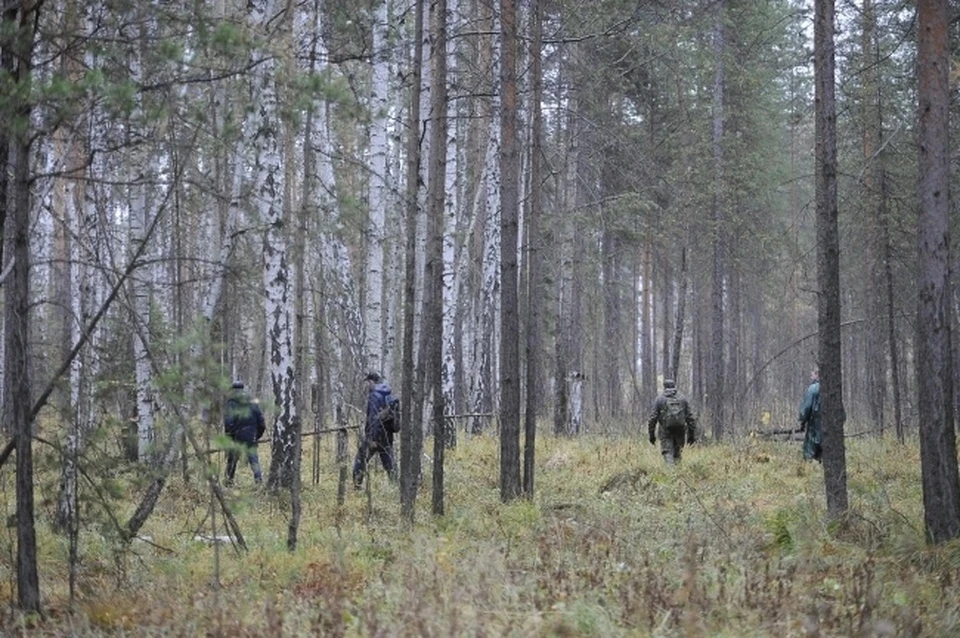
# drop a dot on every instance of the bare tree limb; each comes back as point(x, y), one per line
point(6, 271)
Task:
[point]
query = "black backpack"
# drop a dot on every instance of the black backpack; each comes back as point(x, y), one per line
point(389, 414)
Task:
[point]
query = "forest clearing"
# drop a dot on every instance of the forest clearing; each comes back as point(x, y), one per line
point(495, 247)
point(732, 542)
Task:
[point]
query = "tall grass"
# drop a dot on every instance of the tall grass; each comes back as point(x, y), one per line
point(733, 542)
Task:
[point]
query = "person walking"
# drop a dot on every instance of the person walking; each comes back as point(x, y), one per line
point(243, 423)
point(810, 420)
point(677, 422)
point(376, 438)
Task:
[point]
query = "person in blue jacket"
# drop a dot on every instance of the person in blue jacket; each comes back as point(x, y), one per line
point(243, 423)
point(375, 439)
point(810, 420)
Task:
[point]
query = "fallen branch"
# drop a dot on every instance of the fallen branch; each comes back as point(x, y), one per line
point(776, 432)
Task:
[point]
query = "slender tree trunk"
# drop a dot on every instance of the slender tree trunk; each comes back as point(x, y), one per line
point(7, 66)
point(872, 197)
point(681, 310)
point(142, 284)
point(379, 187)
point(735, 353)
point(452, 361)
point(277, 280)
point(938, 445)
point(647, 340)
point(411, 437)
point(489, 305)
point(828, 265)
point(17, 305)
point(715, 388)
point(666, 309)
point(534, 280)
point(509, 202)
point(891, 312)
point(609, 347)
point(433, 275)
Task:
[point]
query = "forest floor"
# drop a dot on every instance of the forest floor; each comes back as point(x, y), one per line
point(733, 542)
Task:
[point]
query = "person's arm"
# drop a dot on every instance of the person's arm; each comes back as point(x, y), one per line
point(261, 423)
point(691, 425)
point(373, 413)
point(806, 407)
point(652, 421)
point(228, 420)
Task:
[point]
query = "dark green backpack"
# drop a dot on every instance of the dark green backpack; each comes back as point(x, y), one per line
point(674, 415)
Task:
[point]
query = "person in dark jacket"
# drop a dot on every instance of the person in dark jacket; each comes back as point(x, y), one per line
point(810, 419)
point(678, 424)
point(376, 439)
point(243, 423)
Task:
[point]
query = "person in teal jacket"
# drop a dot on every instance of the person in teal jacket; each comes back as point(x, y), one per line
point(810, 420)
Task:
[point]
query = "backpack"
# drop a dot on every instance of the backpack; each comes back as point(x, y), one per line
point(389, 414)
point(673, 418)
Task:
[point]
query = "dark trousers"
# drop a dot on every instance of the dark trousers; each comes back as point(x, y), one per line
point(671, 445)
point(233, 457)
point(368, 447)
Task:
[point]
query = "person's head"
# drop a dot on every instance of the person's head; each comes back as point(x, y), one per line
point(669, 384)
point(814, 375)
point(372, 378)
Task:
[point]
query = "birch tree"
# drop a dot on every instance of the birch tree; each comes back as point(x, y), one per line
point(378, 189)
point(269, 189)
point(141, 283)
point(452, 214)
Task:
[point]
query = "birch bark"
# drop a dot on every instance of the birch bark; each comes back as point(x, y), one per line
point(378, 189)
point(269, 186)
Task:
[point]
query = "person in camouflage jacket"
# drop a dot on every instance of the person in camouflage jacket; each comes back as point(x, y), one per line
point(676, 420)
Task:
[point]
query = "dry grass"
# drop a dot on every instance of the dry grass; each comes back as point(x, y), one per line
point(731, 543)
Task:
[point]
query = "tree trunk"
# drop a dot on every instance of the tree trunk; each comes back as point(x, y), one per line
point(608, 348)
point(378, 189)
point(269, 188)
point(647, 342)
point(872, 198)
point(452, 368)
point(714, 378)
point(666, 310)
point(411, 437)
point(534, 280)
point(142, 178)
point(433, 274)
point(938, 445)
point(17, 307)
point(828, 265)
point(891, 311)
point(509, 202)
point(7, 25)
point(681, 310)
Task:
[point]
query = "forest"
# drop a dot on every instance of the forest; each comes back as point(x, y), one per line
point(525, 215)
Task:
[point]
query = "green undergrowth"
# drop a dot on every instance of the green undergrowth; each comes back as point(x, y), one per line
point(732, 542)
